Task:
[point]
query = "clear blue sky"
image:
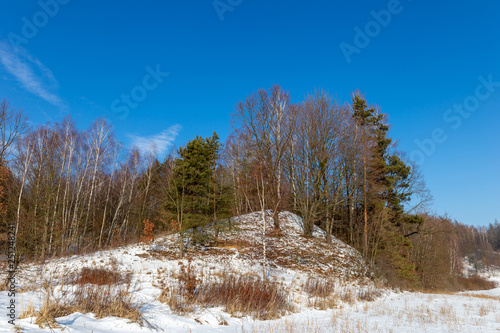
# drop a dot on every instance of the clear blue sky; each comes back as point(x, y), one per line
point(83, 57)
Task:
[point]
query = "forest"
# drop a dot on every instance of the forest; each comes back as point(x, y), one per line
point(68, 191)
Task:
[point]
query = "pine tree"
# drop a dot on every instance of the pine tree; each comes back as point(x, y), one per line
point(196, 196)
point(386, 188)
point(389, 173)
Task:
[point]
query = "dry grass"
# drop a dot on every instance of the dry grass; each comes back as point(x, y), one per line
point(239, 295)
point(101, 276)
point(105, 301)
point(105, 292)
point(188, 279)
point(176, 301)
point(51, 309)
point(348, 296)
point(321, 293)
point(369, 294)
point(245, 295)
point(46, 316)
point(495, 298)
point(324, 303)
point(319, 287)
point(476, 283)
point(102, 292)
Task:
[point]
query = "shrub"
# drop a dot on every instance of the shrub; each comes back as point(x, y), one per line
point(476, 282)
point(318, 287)
point(239, 295)
point(105, 301)
point(100, 276)
point(369, 294)
point(148, 232)
point(187, 279)
point(101, 298)
point(245, 295)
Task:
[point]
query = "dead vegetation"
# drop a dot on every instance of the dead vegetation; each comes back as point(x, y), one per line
point(476, 282)
point(101, 276)
point(245, 295)
point(319, 287)
point(239, 295)
point(46, 316)
point(482, 296)
point(106, 301)
point(95, 290)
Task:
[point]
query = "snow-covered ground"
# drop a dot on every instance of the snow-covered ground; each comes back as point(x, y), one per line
point(394, 312)
point(292, 260)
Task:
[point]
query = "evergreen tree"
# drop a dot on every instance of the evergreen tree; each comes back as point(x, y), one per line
point(386, 188)
point(389, 174)
point(196, 195)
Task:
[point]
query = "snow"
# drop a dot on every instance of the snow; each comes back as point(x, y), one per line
point(151, 265)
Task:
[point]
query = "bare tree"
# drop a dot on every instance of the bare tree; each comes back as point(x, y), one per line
point(12, 126)
point(100, 139)
point(261, 190)
point(315, 160)
point(265, 120)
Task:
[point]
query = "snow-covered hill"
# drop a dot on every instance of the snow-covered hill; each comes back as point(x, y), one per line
point(299, 266)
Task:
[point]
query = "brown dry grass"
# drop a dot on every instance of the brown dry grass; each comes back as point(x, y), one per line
point(482, 296)
point(369, 294)
point(46, 316)
point(245, 295)
point(476, 283)
point(321, 293)
point(239, 295)
point(105, 301)
point(105, 292)
point(102, 292)
point(319, 287)
point(101, 276)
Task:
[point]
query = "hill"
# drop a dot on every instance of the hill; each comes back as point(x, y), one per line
point(312, 286)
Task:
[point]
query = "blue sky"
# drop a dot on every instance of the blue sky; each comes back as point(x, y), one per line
point(432, 66)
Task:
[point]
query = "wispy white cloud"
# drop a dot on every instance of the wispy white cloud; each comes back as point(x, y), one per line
point(158, 143)
point(30, 73)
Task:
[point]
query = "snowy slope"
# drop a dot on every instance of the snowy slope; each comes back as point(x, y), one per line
point(292, 259)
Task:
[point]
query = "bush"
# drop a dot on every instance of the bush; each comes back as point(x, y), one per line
point(245, 295)
point(105, 301)
point(95, 292)
point(100, 276)
point(317, 287)
point(476, 282)
point(147, 237)
point(239, 295)
point(187, 279)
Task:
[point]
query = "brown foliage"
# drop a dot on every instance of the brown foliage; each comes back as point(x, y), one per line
point(148, 232)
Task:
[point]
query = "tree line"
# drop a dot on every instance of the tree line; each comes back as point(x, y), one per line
point(331, 162)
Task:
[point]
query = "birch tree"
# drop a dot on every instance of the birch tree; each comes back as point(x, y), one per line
point(265, 120)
